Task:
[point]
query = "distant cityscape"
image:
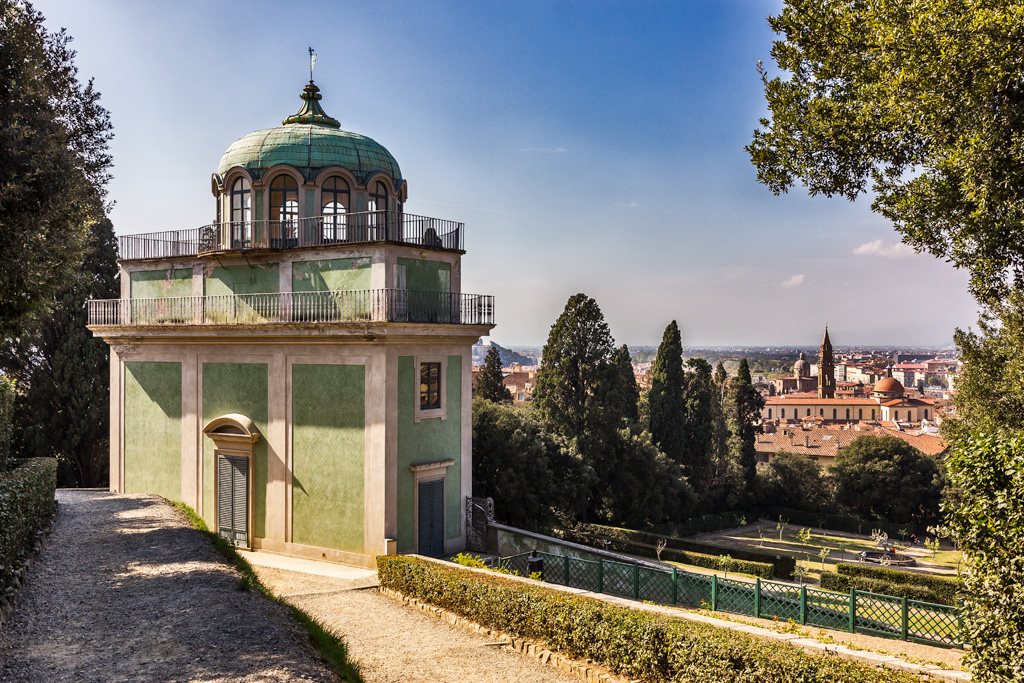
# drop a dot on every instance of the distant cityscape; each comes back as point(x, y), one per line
point(896, 391)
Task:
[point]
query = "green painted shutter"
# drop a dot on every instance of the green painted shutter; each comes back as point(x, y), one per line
point(431, 518)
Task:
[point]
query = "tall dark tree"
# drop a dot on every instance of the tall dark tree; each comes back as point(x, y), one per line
point(489, 383)
point(699, 425)
point(667, 412)
point(622, 395)
point(573, 364)
point(64, 408)
point(53, 163)
point(744, 411)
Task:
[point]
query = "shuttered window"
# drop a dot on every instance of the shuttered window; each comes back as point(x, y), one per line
point(233, 498)
point(431, 518)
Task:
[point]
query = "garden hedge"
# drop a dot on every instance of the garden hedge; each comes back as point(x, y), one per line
point(26, 505)
point(6, 418)
point(782, 565)
point(835, 522)
point(944, 588)
point(843, 584)
point(634, 643)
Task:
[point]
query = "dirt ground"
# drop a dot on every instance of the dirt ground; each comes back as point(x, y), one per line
point(126, 590)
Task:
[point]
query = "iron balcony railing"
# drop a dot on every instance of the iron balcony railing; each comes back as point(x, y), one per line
point(318, 231)
point(361, 305)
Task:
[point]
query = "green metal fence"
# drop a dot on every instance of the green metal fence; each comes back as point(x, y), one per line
point(856, 612)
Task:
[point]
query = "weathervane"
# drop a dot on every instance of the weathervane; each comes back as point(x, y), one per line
point(312, 63)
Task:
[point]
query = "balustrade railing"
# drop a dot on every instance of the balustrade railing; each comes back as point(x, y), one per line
point(362, 305)
point(317, 231)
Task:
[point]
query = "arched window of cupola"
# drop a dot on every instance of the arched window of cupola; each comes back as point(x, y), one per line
point(284, 210)
point(241, 213)
point(378, 203)
point(334, 203)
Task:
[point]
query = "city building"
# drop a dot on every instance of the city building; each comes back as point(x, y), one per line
point(299, 371)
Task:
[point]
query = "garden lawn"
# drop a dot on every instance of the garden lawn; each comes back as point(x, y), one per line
point(806, 552)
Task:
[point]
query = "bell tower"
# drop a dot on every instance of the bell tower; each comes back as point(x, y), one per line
point(826, 369)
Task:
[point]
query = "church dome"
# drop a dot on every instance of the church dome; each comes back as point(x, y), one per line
point(802, 368)
point(309, 141)
point(888, 385)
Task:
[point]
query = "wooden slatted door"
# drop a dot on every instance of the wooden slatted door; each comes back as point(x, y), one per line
point(233, 498)
point(431, 518)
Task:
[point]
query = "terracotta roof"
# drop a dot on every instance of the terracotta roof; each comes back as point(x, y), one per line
point(791, 399)
point(826, 442)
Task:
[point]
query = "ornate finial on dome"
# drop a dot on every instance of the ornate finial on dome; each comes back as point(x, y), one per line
point(311, 112)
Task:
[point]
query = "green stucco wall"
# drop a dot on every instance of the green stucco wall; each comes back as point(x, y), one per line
point(430, 440)
point(254, 279)
point(237, 388)
point(426, 276)
point(152, 428)
point(152, 284)
point(328, 445)
point(331, 276)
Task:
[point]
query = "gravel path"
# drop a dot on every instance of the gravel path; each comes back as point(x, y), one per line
point(125, 590)
point(394, 643)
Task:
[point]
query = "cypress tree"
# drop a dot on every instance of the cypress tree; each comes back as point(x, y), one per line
point(698, 413)
point(666, 396)
point(573, 365)
point(622, 395)
point(745, 405)
point(489, 383)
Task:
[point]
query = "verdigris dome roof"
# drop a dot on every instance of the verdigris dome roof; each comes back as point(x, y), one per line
point(310, 140)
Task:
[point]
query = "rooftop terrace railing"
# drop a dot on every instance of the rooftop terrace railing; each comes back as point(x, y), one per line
point(317, 231)
point(362, 305)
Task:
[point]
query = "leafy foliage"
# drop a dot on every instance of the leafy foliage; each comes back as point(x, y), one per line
point(523, 467)
point(838, 582)
point(634, 643)
point(885, 477)
point(26, 506)
point(922, 104)
point(987, 469)
point(53, 163)
point(63, 410)
point(489, 384)
point(793, 480)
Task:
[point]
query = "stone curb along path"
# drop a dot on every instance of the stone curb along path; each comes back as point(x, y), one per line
point(926, 671)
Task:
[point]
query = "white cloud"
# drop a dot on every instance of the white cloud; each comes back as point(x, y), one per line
point(544, 150)
point(795, 281)
point(878, 248)
point(626, 205)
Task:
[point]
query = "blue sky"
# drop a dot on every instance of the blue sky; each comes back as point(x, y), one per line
point(588, 146)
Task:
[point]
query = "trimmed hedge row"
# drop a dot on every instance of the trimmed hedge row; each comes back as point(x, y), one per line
point(944, 588)
point(762, 569)
point(6, 418)
point(843, 584)
point(634, 643)
point(783, 566)
point(26, 505)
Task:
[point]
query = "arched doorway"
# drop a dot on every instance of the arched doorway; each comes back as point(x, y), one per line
point(233, 438)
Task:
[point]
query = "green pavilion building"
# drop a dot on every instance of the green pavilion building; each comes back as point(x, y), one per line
point(298, 371)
